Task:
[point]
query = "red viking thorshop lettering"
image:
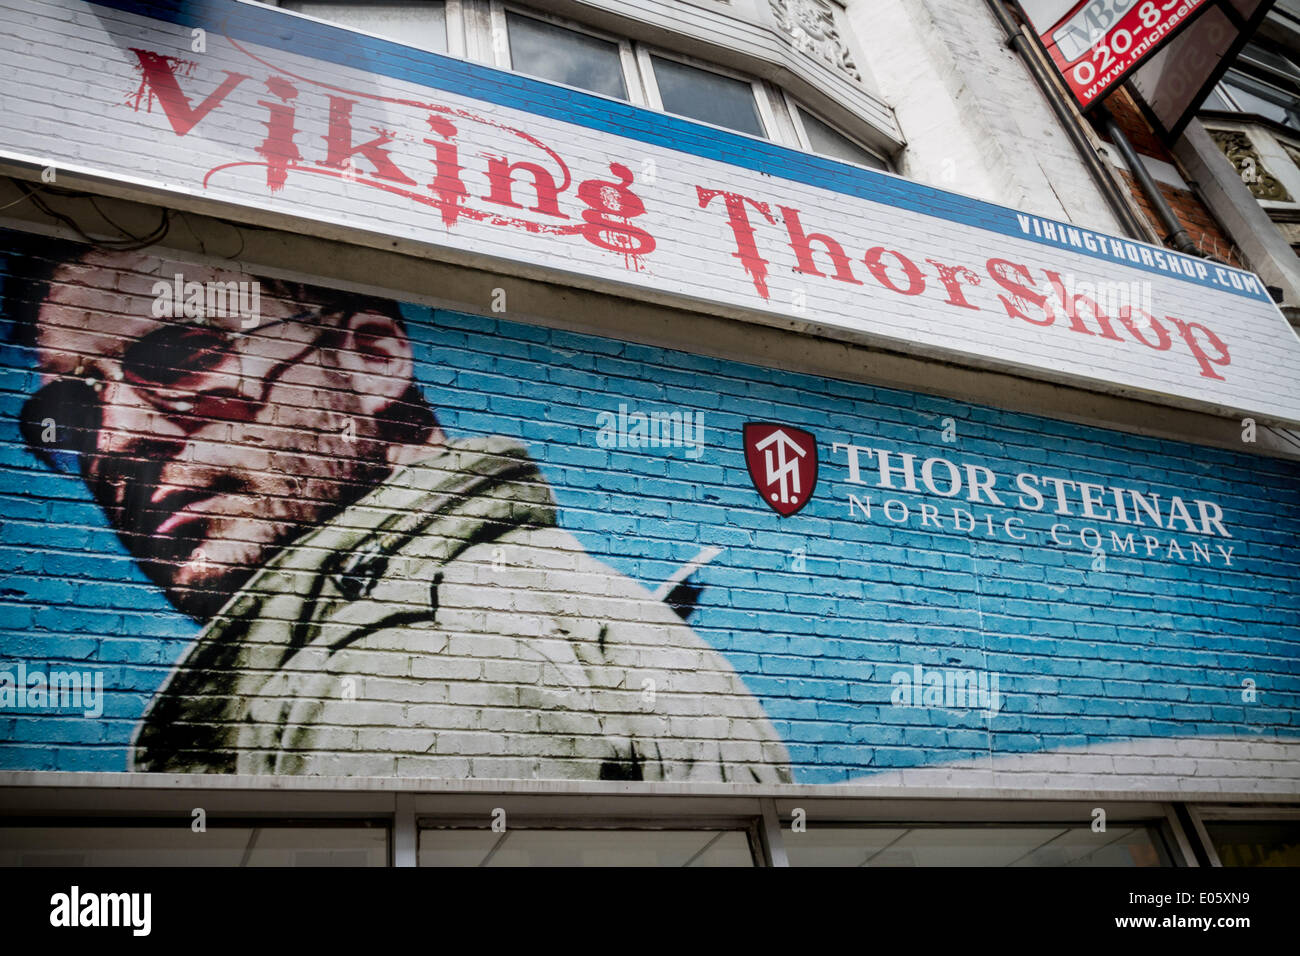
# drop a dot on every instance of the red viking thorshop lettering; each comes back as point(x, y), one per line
point(607, 208)
point(1019, 294)
point(1162, 342)
point(880, 271)
point(1022, 292)
point(447, 185)
point(279, 149)
point(538, 181)
point(340, 148)
point(158, 78)
point(1188, 332)
point(610, 208)
point(952, 278)
point(802, 242)
point(1070, 303)
point(501, 173)
point(743, 231)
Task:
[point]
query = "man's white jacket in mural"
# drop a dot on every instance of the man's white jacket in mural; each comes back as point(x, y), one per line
point(444, 626)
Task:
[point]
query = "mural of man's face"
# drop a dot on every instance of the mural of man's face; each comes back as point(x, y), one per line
point(212, 442)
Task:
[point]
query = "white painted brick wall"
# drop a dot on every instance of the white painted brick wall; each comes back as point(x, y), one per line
point(974, 120)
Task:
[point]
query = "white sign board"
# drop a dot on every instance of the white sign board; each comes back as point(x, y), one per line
point(259, 109)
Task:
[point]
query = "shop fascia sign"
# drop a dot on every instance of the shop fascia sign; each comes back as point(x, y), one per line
point(287, 115)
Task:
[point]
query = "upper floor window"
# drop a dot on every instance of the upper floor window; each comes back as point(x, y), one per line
point(1243, 94)
point(565, 56)
point(419, 23)
point(1263, 82)
point(821, 137)
point(707, 96)
point(538, 44)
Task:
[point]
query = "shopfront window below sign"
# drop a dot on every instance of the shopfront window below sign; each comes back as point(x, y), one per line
point(1263, 843)
point(194, 841)
point(484, 846)
point(974, 846)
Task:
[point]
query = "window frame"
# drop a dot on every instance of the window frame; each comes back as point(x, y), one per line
point(749, 826)
point(501, 57)
point(1203, 813)
point(1224, 88)
point(220, 821)
point(762, 104)
point(795, 108)
point(453, 20)
point(93, 798)
point(1249, 63)
point(1164, 839)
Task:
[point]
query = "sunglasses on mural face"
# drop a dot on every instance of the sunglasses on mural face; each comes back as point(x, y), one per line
point(170, 367)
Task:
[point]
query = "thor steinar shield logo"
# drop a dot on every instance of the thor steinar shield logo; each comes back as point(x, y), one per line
point(782, 463)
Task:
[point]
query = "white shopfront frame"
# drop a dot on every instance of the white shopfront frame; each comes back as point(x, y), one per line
point(764, 812)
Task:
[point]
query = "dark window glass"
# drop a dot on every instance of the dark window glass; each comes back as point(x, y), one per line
point(565, 56)
point(178, 845)
point(413, 23)
point(1256, 844)
point(445, 846)
point(1263, 99)
point(707, 96)
point(974, 846)
point(828, 141)
point(1265, 59)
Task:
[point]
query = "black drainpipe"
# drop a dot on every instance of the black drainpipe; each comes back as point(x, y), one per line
point(1176, 234)
point(1118, 200)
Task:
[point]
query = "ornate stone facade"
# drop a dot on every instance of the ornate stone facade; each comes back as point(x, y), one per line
point(810, 25)
point(1241, 152)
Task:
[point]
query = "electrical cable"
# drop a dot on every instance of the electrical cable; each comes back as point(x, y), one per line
point(1283, 434)
point(129, 244)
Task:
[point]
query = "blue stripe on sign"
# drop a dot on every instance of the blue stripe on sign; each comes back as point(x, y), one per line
point(272, 28)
